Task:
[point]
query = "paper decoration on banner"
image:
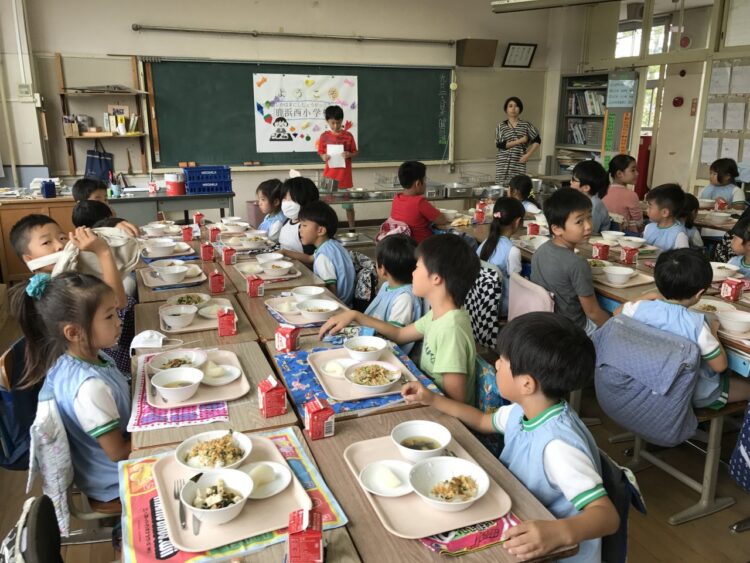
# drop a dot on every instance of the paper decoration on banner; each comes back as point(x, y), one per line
point(715, 116)
point(720, 80)
point(730, 148)
point(290, 109)
point(621, 93)
point(734, 120)
point(741, 80)
point(709, 149)
point(624, 133)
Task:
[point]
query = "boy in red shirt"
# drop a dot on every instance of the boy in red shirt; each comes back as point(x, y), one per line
point(338, 136)
point(411, 207)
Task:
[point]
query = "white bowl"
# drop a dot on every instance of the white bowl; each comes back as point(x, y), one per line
point(211, 309)
point(618, 274)
point(256, 233)
point(734, 321)
point(197, 299)
point(368, 477)
point(161, 380)
point(238, 227)
point(394, 376)
point(158, 265)
point(256, 242)
point(162, 222)
point(716, 304)
point(278, 268)
point(706, 203)
point(596, 270)
point(249, 268)
point(304, 292)
point(449, 214)
point(231, 373)
point(379, 345)
point(234, 479)
point(722, 271)
point(193, 358)
point(534, 240)
point(238, 438)
point(173, 274)
point(233, 219)
point(718, 217)
point(158, 247)
point(193, 270)
point(178, 316)
point(154, 230)
point(424, 429)
point(632, 242)
point(269, 257)
point(429, 472)
point(328, 309)
point(614, 236)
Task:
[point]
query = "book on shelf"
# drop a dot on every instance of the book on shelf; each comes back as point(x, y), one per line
point(584, 132)
point(586, 103)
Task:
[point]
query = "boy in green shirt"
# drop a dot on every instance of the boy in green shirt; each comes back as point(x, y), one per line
point(446, 269)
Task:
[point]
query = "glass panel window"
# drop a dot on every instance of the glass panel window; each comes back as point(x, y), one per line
point(628, 43)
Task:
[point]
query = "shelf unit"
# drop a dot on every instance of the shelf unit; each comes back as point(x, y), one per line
point(135, 93)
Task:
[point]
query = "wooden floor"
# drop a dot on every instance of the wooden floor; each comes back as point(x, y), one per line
point(707, 540)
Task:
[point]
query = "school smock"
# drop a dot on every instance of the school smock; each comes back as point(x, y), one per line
point(332, 264)
point(569, 476)
point(600, 220)
point(531, 207)
point(342, 175)
point(666, 238)
point(739, 261)
point(448, 347)
point(507, 257)
point(625, 202)
point(397, 306)
point(272, 223)
point(729, 193)
point(415, 211)
point(694, 238)
point(289, 237)
point(93, 399)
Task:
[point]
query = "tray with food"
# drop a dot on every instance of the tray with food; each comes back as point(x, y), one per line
point(172, 277)
point(181, 319)
point(304, 313)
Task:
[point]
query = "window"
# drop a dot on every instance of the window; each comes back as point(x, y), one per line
point(628, 43)
point(651, 99)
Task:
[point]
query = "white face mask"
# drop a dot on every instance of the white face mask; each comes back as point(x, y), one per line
point(290, 209)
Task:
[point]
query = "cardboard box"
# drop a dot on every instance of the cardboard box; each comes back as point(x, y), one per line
point(319, 419)
point(271, 397)
point(305, 543)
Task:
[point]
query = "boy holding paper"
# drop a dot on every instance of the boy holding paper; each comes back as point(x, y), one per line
point(336, 148)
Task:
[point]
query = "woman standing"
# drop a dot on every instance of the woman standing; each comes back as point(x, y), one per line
point(516, 141)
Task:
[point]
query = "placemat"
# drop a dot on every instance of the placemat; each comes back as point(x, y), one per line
point(471, 538)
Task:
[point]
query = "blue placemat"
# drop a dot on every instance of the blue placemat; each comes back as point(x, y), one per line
point(279, 319)
point(304, 386)
point(186, 258)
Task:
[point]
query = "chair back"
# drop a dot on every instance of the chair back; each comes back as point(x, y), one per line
point(483, 304)
point(35, 536)
point(17, 409)
point(527, 297)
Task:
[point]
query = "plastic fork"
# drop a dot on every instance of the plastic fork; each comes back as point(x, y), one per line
point(177, 489)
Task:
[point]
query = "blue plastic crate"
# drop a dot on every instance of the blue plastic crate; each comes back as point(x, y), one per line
point(207, 173)
point(210, 187)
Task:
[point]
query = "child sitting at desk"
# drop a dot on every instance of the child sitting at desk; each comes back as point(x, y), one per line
point(88, 213)
point(687, 216)
point(396, 303)
point(94, 189)
point(665, 231)
point(557, 268)
point(410, 206)
point(520, 188)
point(741, 246)
point(682, 276)
point(448, 349)
point(722, 175)
point(269, 203)
point(543, 356)
point(591, 178)
point(295, 194)
point(623, 170)
point(331, 262)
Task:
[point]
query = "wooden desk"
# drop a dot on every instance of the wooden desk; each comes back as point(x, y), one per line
point(340, 548)
point(148, 295)
point(372, 540)
point(240, 282)
point(725, 227)
point(265, 325)
point(147, 318)
point(244, 414)
point(141, 209)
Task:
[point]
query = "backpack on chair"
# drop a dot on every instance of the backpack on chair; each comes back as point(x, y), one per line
point(392, 227)
point(366, 280)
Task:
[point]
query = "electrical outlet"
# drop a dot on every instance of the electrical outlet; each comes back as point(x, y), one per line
point(452, 167)
point(24, 90)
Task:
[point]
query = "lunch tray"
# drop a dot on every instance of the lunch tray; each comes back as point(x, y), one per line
point(270, 278)
point(190, 250)
point(151, 280)
point(638, 279)
point(295, 318)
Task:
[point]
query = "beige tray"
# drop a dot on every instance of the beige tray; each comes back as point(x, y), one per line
point(207, 394)
point(150, 280)
point(638, 279)
point(290, 275)
point(257, 517)
point(339, 388)
point(295, 318)
point(409, 516)
point(187, 252)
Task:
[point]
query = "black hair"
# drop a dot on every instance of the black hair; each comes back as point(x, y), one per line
point(742, 229)
point(70, 298)
point(90, 211)
point(280, 120)
point(726, 170)
point(410, 172)
point(592, 174)
point(551, 349)
point(334, 112)
point(682, 272)
point(689, 207)
point(302, 190)
point(397, 254)
point(521, 184)
point(563, 202)
point(84, 187)
point(667, 196)
point(509, 209)
point(271, 190)
point(441, 254)
point(518, 101)
point(619, 163)
point(108, 222)
point(20, 234)
point(321, 214)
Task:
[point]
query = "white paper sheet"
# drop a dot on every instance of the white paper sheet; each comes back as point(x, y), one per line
point(336, 153)
point(715, 116)
point(720, 80)
point(741, 80)
point(709, 150)
point(735, 116)
point(745, 151)
point(730, 148)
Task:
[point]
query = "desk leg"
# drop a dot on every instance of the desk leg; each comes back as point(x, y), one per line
point(187, 216)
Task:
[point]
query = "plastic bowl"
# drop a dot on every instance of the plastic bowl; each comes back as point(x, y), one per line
point(173, 274)
point(211, 309)
point(305, 292)
point(317, 310)
point(238, 438)
point(596, 270)
point(416, 429)
point(195, 358)
point(613, 236)
point(256, 233)
point(618, 274)
point(718, 217)
point(449, 214)
point(394, 375)
point(278, 268)
point(238, 227)
point(734, 321)
point(158, 247)
point(232, 219)
point(253, 242)
point(154, 230)
point(269, 257)
point(158, 265)
point(234, 479)
point(429, 472)
point(164, 378)
point(706, 203)
point(716, 304)
point(202, 299)
point(534, 240)
point(722, 271)
point(178, 316)
point(375, 342)
point(632, 242)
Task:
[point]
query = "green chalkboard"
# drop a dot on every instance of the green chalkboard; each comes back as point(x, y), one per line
point(204, 112)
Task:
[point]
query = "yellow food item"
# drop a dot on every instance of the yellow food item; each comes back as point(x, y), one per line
point(213, 371)
point(219, 452)
point(262, 474)
point(458, 488)
point(372, 375)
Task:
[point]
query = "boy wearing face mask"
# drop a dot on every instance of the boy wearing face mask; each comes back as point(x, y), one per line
point(295, 194)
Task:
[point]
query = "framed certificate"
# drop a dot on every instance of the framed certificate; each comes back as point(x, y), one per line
point(519, 55)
